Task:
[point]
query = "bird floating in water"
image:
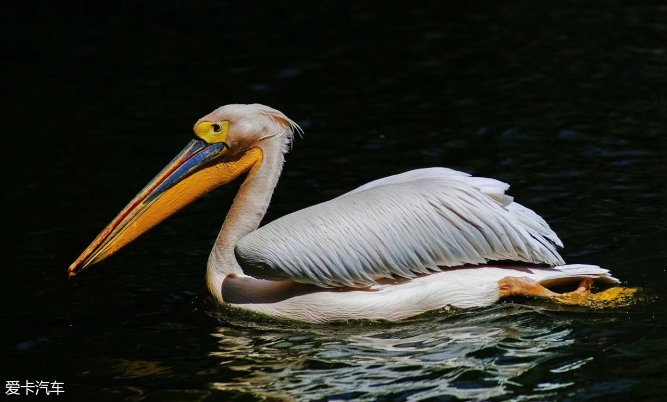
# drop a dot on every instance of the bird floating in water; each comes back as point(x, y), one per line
point(390, 249)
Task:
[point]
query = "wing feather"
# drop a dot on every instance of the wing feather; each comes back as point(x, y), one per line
point(399, 226)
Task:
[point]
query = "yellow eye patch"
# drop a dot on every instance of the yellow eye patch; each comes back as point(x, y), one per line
point(212, 131)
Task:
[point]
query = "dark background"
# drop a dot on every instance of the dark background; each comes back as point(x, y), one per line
point(564, 100)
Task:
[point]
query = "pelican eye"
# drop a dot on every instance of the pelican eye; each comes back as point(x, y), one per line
point(212, 132)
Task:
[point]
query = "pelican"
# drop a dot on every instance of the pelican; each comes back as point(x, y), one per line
point(391, 249)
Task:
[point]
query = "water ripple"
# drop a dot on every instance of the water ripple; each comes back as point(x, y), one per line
point(477, 355)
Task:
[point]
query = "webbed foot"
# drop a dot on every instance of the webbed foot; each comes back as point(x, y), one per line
point(582, 296)
point(608, 298)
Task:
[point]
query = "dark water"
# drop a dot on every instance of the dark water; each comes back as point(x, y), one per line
point(566, 101)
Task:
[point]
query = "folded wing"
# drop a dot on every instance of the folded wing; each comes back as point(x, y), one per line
point(399, 226)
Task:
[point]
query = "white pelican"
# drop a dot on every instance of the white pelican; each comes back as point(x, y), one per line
point(390, 249)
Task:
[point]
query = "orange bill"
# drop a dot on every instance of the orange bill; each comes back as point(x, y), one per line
point(196, 170)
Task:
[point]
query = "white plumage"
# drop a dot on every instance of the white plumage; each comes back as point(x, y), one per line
point(462, 287)
point(403, 226)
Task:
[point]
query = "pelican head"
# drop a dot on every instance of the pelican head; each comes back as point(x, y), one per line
point(228, 143)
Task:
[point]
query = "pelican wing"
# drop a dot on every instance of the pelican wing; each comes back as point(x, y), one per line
point(399, 226)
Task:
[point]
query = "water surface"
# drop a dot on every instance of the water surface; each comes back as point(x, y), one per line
point(566, 103)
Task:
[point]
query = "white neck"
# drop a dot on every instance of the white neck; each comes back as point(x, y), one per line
point(245, 214)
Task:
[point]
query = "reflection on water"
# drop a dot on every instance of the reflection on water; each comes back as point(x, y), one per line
point(470, 355)
point(142, 368)
point(566, 103)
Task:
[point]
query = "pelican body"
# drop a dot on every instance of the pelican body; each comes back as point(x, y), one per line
point(390, 249)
